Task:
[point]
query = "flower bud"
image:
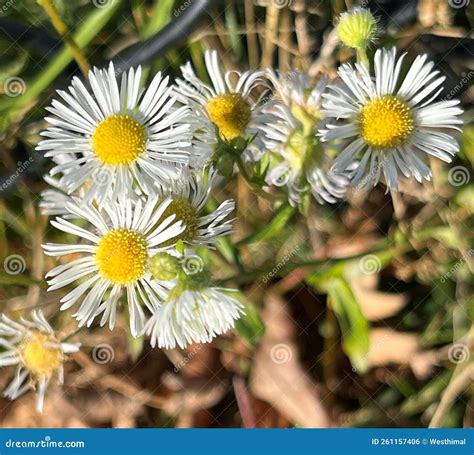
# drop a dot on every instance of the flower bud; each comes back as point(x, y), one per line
point(357, 28)
point(164, 267)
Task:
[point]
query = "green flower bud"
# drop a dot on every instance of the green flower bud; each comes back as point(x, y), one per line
point(164, 267)
point(357, 28)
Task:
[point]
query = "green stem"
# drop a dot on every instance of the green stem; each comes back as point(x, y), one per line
point(362, 57)
point(256, 188)
point(255, 275)
point(63, 31)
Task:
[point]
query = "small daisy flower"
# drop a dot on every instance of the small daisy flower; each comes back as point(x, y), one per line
point(189, 196)
point(392, 125)
point(229, 107)
point(114, 261)
point(299, 160)
point(193, 311)
point(38, 355)
point(117, 135)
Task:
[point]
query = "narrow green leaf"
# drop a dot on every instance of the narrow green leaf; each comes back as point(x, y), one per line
point(86, 32)
point(354, 326)
point(250, 326)
point(281, 218)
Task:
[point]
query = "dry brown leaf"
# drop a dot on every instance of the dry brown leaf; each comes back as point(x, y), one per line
point(390, 347)
point(278, 377)
point(376, 305)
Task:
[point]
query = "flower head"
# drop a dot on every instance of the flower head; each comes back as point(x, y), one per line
point(189, 195)
point(115, 260)
point(39, 356)
point(299, 160)
point(117, 136)
point(193, 311)
point(224, 110)
point(390, 124)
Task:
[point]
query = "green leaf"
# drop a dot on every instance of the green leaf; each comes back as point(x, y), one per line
point(85, 33)
point(354, 326)
point(160, 17)
point(279, 221)
point(250, 326)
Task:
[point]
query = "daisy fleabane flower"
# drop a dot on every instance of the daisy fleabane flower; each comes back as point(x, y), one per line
point(391, 124)
point(114, 260)
point(193, 311)
point(189, 195)
point(230, 107)
point(32, 346)
point(298, 159)
point(116, 136)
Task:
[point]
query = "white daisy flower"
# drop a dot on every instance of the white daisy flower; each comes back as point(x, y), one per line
point(116, 136)
point(298, 159)
point(189, 197)
point(38, 355)
point(192, 316)
point(391, 124)
point(113, 261)
point(230, 107)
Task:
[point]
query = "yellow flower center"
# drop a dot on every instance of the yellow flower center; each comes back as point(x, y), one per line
point(230, 113)
point(40, 354)
point(186, 213)
point(122, 256)
point(386, 122)
point(119, 139)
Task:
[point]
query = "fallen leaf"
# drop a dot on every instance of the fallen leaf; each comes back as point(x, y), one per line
point(277, 375)
point(376, 305)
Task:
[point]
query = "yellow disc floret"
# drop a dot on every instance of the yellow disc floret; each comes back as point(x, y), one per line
point(186, 213)
point(385, 122)
point(230, 113)
point(40, 354)
point(122, 256)
point(119, 139)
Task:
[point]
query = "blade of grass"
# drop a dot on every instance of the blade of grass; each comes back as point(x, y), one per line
point(84, 35)
point(64, 33)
